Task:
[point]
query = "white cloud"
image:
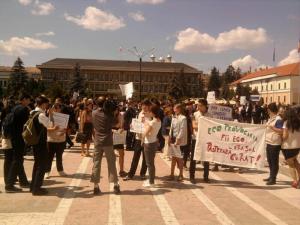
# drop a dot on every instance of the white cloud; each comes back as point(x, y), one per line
point(102, 1)
point(245, 63)
point(18, 46)
point(291, 58)
point(192, 40)
point(152, 2)
point(248, 61)
point(97, 19)
point(42, 8)
point(25, 2)
point(50, 33)
point(138, 16)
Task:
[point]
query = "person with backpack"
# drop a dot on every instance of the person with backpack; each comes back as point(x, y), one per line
point(38, 125)
point(13, 126)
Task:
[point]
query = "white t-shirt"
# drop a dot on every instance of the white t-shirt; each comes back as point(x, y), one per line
point(293, 140)
point(152, 136)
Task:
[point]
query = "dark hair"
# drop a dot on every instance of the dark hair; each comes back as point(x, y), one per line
point(292, 118)
point(273, 107)
point(155, 110)
point(155, 101)
point(203, 101)
point(146, 102)
point(100, 101)
point(41, 100)
point(57, 106)
point(109, 107)
point(23, 96)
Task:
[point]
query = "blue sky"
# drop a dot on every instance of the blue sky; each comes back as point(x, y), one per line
point(201, 33)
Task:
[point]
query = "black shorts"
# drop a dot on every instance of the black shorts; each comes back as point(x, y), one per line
point(290, 153)
point(118, 147)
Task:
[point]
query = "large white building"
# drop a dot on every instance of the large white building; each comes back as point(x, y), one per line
point(279, 84)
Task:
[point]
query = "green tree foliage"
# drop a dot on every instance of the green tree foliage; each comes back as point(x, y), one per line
point(215, 83)
point(178, 88)
point(55, 90)
point(18, 78)
point(35, 87)
point(77, 81)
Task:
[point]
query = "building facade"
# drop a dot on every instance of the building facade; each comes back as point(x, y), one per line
point(279, 84)
point(104, 76)
point(5, 72)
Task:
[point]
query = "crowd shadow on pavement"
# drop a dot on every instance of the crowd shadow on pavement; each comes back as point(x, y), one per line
point(248, 185)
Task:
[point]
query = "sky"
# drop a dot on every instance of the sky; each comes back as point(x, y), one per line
point(201, 33)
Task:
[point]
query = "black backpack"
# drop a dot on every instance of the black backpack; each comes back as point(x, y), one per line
point(8, 124)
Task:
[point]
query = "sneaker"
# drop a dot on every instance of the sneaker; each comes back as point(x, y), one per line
point(147, 184)
point(12, 189)
point(71, 145)
point(143, 177)
point(271, 182)
point(62, 173)
point(47, 175)
point(122, 174)
point(26, 185)
point(117, 189)
point(39, 192)
point(192, 180)
point(127, 178)
point(97, 191)
point(206, 180)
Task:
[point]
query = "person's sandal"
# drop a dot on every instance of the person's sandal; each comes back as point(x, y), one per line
point(180, 178)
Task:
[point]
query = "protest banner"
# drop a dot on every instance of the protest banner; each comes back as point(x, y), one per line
point(220, 112)
point(137, 126)
point(119, 137)
point(127, 89)
point(230, 143)
point(211, 97)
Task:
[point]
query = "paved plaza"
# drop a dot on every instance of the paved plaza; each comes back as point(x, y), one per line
point(230, 198)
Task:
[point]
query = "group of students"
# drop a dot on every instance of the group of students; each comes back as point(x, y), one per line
point(170, 128)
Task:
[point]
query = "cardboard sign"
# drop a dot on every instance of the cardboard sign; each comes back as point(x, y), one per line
point(243, 100)
point(230, 143)
point(211, 97)
point(137, 126)
point(127, 89)
point(220, 112)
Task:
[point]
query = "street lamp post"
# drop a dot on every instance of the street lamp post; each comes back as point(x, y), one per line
point(140, 56)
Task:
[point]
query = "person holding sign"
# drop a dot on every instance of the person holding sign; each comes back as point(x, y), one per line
point(202, 111)
point(273, 141)
point(151, 143)
point(178, 139)
point(56, 143)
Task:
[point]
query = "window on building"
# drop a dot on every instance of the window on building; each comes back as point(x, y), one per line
point(271, 87)
point(279, 86)
point(284, 85)
point(284, 99)
point(266, 100)
point(271, 99)
point(266, 87)
point(278, 99)
point(262, 87)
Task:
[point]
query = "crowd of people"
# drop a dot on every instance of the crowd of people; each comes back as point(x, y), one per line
point(96, 120)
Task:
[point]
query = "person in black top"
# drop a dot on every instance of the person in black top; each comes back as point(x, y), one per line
point(21, 114)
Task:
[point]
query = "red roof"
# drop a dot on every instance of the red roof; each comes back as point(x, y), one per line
point(286, 70)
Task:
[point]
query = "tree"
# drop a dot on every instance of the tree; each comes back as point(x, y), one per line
point(199, 89)
point(18, 78)
point(178, 88)
point(214, 83)
point(55, 90)
point(238, 73)
point(35, 87)
point(77, 82)
point(229, 75)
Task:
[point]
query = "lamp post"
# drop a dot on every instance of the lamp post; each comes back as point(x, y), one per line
point(140, 56)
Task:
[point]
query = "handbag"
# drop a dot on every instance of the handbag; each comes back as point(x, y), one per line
point(80, 137)
point(6, 144)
